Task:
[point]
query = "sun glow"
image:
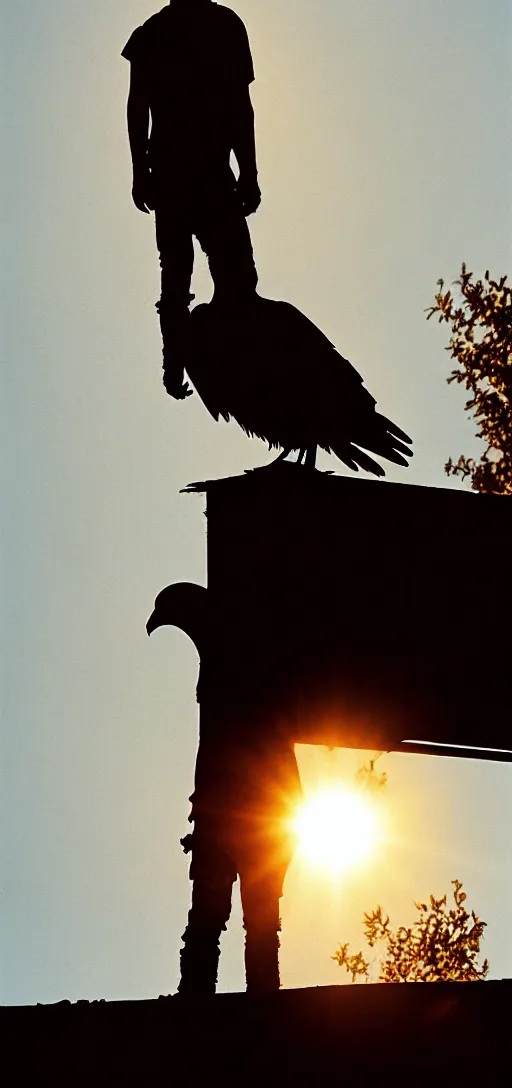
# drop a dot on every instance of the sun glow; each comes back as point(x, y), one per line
point(336, 828)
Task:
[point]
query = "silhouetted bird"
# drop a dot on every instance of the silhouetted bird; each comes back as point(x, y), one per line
point(266, 365)
point(182, 605)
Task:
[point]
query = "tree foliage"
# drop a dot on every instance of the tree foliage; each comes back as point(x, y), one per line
point(481, 342)
point(368, 778)
point(442, 945)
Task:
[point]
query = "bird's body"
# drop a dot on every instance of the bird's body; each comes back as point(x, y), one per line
point(268, 367)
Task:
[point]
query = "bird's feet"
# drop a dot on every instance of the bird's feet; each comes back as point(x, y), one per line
point(306, 456)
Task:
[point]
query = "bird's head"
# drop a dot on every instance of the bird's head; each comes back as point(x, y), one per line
point(183, 605)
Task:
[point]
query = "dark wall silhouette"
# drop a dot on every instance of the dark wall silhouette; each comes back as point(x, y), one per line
point(341, 611)
point(446, 1034)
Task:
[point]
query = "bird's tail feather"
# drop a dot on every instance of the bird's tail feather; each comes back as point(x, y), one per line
point(386, 446)
point(399, 447)
point(342, 452)
point(395, 457)
point(355, 458)
point(393, 429)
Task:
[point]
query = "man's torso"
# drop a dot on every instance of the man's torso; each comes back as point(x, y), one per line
point(193, 58)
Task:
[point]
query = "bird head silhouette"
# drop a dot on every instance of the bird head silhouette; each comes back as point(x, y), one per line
point(183, 605)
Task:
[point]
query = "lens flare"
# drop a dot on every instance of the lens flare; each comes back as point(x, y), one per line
point(336, 828)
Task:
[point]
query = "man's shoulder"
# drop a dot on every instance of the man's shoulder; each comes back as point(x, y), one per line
point(228, 14)
point(223, 23)
point(154, 24)
point(145, 34)
point(231, 28)
point(210, 8)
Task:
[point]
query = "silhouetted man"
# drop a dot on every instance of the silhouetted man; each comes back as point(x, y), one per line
point(246, 789)
point(191, 67)
point(245, 794)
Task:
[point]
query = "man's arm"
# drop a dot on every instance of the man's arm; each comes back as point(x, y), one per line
point(244, 147)
point(138, 134)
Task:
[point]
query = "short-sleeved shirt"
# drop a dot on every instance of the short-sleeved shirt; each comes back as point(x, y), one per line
point(192, 57)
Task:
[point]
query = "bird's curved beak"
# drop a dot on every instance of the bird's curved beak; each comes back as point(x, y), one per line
point(153, 623)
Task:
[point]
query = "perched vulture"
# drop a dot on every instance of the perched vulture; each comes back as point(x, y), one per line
point(264, 364)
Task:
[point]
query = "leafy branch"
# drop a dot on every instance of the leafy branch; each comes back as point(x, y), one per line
point(442, 945)
point(481, 342)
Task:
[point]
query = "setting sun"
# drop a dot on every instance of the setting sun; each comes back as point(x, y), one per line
point(336, 828)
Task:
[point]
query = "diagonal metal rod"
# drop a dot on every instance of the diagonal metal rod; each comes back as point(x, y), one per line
point(426, 748)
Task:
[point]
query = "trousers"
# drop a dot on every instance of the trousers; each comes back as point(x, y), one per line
point(262, 867)
point(214, 215)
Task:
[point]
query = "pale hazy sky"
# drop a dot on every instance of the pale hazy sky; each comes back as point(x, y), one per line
point(383, 131)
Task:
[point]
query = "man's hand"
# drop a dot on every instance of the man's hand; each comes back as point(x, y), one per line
point(175, 384)
point(142, 191)
point(249, 192)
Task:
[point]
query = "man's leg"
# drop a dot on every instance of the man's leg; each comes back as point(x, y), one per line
point(221, 229)
point(262, 924)
point(176, 252)
point(212, 873)
point(262, 870)
point(263, 845)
